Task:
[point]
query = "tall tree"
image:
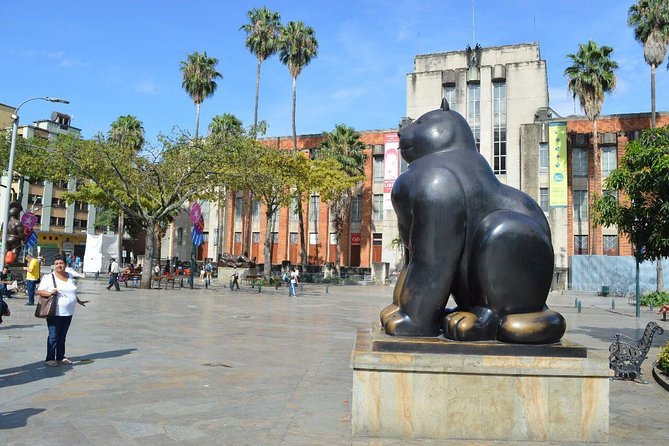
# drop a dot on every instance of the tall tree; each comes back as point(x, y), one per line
point(148, 186)
point(226, 126)
point(650, 20)
point(344, 146)
point(199, 80)
point(589, 77)
point(642, 177)
point(262, 39)
point(126, 131)
point(298, 46)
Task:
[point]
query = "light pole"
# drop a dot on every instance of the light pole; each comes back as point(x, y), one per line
point(10, 168)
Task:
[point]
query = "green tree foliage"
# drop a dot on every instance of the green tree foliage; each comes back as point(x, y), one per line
point(127, 131)
point(343, 145)
point(590, 77)
point(148, 186)
point(650, 20)
point(642, 179)
point(226, 126)
point(262, 39)
point(199, 80)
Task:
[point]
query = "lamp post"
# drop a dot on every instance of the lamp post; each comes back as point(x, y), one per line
point(10, 167)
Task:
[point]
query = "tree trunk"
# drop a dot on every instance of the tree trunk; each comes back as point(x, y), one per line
point(338, 256)
point(652, 95)
point(121, 230)
point(255, 112)
point(596, 189)
point(267, 263)
point(294, 106)
point(148, 257)
point(197, 120)
point(660, 277)
point(248, 224)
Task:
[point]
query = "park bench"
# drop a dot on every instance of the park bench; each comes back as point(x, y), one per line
point(158, 280)
point(134, 278)
point(627, 354)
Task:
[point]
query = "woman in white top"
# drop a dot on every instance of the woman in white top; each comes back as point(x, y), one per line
point(59, 283)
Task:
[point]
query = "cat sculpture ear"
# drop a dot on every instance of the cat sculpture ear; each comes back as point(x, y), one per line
point(444, 105)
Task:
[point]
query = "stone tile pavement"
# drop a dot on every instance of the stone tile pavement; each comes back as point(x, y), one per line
point(215, 367)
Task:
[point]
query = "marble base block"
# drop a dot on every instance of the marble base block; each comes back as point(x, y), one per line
point(547, 394)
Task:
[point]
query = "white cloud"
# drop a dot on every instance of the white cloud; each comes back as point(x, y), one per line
point(347, 94)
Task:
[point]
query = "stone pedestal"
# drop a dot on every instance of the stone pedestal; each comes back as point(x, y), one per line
point(439, 389)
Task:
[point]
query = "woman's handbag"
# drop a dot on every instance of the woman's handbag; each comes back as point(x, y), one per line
point(46, 306)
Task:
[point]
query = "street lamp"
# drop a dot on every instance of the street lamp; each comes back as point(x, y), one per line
point(10, 167)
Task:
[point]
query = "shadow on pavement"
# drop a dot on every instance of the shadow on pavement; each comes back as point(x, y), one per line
point(37, 370)
point(17, 418)
point(608, 334)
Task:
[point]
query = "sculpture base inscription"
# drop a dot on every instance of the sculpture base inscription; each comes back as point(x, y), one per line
point(562, 396)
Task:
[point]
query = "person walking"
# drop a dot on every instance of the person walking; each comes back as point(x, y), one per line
point(294, 281)
point(60, 284)
point(32, 277)
point(113, 275)
point(235, 278)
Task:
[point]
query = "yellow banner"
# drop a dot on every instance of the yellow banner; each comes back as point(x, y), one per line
point(557, 156)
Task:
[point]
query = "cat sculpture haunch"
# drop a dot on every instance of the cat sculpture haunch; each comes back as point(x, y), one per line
point(467, 235)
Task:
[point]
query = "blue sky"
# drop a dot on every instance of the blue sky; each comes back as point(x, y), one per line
point(112, 58)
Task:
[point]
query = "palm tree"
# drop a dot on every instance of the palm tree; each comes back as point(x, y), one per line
point(127, 131)
point(226, 125)
point(650, 20)
point(298, 46)
point(345, 146)
point(199, 80)
point(590, 77)
point(262, 39)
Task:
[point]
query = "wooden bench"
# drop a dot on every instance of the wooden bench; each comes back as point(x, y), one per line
point(134, 278)
point(166, 279)
point(627, 354)
point(251, 279)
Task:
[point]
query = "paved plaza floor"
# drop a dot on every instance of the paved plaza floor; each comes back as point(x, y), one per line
point(215, 367)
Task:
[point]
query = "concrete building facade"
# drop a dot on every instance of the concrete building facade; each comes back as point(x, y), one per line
point(61, 227)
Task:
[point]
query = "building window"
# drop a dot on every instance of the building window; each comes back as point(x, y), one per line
point(450, 94)
point(356, 211)
point(609, 160)
point(499, 131)
point(579, 162)
point(313, 238)
point(256, 208)
point(377, 239)
point(39, 220)
point(580, 244)
point(81, 205)
point(275, 238)
point(378, 169)
point(293, 210)
point(238, 207)
point(543, 156)
point(34, 200)
point(474, 112)
point(610, 245)
point(80, 223)
point(377, 209)
point(60, 184)
point(58, 203)
point(543, 198)
point(57, 221)
point(255, 237)
point(238, 237)
point(314, 204)
point(293, 238)
point(580, 205)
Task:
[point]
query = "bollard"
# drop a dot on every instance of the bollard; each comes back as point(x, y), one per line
point(276, 285)
point(650, 306)
point(576, 302)
point(579, 306)
point(327, 289)
point(613, 304)
point(259, 288)
point(301, 287)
